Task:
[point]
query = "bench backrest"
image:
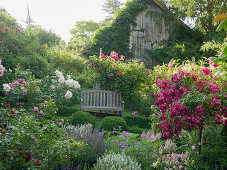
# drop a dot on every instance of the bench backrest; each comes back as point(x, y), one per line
point(101, 100)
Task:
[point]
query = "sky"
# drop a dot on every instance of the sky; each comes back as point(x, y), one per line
point(58, 15)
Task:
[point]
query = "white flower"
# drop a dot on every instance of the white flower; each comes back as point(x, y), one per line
point(193, 147)
point(155, 164)
point(76, 85)
point(61, 79)
point(58, 73)
point(68, 94)
point(68, 76)
point(69, 82)
point(6, 87)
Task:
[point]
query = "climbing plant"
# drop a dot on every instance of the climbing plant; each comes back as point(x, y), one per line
point(115, 37)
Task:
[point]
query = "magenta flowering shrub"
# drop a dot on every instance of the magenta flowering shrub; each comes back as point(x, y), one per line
point(188, 98)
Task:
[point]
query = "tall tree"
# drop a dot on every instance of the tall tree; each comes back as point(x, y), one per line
point(82, 34)
point(111, 6)
point(29, 20)
point(202, 11)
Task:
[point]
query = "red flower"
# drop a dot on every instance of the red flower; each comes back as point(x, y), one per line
point(12, 112)
point(123, 57)
point(28, 157)
point(6, 30)
point(7, 105)
point(205, 71)
point(1, 39)
point(10, 45)
point(13, 35)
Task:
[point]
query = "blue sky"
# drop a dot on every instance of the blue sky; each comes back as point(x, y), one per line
point(57, 15)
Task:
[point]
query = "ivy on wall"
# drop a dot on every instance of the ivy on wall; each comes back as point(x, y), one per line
point(115, 37)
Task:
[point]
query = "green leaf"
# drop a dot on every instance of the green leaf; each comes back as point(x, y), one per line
point(222, 25)
point(225, 51)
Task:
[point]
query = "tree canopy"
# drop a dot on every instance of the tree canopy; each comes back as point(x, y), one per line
point(202, 11)
point(81, 34)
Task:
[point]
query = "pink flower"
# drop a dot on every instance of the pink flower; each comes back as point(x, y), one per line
point(1, 39)
point(92, 64)
point(205, 71)
point(25, 92)
point(133, 113)
point(144, 115)
point(102, 55)
point(52, 87)
point(13, 35)
point(122, 57)
point(6, 30)
point(36, 109)
point(212, 63)
point(170, 65)
point(10, 45)
point(118, 74)
point(99, 69)
point(41, 112)
point(110, 75)
point(45, 102)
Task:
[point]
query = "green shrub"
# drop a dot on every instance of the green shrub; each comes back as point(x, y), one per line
point(81, 117)
point(117, 161)
point(67, 111)
point(108, 123)
point(137, 120)
point(136, 130)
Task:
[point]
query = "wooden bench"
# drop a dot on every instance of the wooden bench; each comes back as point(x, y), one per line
point(101, 100)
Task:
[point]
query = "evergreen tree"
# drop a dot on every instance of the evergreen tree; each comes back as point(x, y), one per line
point(110, 6)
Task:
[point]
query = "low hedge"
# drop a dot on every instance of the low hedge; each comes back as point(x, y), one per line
point(81, 117)
point(137, 120)
point(110, 122)
point(67, 111)
point(136, 130)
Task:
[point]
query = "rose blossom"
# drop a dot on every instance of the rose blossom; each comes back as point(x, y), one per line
point(68, 95)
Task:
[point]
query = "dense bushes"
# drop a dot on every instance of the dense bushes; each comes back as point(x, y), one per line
point(81, 117)
point(116, 75)
point(67, 111)
point(137, 120)
point(108, 123)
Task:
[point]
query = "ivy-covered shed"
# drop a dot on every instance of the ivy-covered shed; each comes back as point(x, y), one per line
point(138, 26)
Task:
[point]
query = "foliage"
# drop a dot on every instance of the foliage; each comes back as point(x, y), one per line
point(203, 12)
point(67, 110)
point(117, 161)
point(94, 139)
point(110, 6)
point(136, 129)
point(189, 97)
point(7, 20)
point(81, 117)
point(28, 140)
point(137, 120)
point(44, 36)
point(116, 75)
point(108, 123)
point(213, 151)
point(61, 58)
point(115, 37)
point(81, 34)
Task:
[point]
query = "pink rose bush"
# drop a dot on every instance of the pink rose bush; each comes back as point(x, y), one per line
point(114, 73)
point(189, 99)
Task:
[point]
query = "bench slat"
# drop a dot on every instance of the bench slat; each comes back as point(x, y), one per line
point(101, 100)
